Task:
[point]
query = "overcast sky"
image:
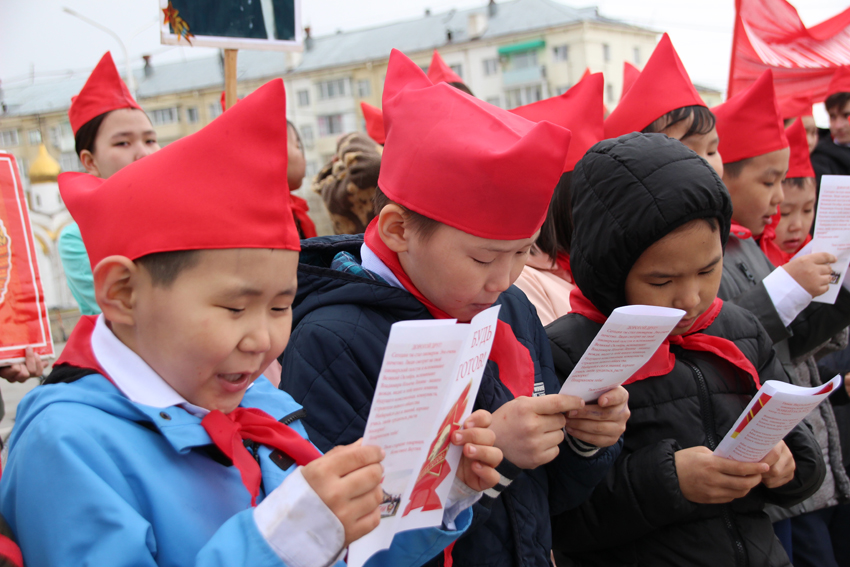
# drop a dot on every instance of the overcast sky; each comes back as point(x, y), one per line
point(38, 37)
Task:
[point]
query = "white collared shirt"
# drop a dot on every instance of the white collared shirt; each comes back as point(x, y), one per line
point(303, 539)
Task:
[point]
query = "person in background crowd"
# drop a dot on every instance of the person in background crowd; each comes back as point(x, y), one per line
point(546, 279)
point(111, 131)
point(347, 183)
point(832, 153)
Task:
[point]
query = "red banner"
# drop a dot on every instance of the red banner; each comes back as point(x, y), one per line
point(23, 316)
point(769, 34)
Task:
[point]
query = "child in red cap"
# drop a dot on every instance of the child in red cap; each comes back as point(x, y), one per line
point(662, 99)
point(111, 131)
point(161, 447)
point(463, 191)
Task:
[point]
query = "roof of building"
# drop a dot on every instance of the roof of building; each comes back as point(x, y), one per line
point(44, 168)
point(344, 48)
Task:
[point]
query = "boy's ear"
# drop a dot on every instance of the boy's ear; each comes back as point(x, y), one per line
point(87, 159)
point(392, 228)
point(115, 279)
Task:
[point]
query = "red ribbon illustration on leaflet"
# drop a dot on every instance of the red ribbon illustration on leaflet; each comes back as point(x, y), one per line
point(763, 399)
point(436, 469)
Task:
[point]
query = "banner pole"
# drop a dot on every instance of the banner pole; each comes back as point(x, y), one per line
point(230, 77)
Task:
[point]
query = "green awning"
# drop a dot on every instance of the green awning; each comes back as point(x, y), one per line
point(524, 46)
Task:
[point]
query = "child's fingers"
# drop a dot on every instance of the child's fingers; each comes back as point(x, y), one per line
point(615, 397)
point(823, 258)
point(556, 403)
point(734, 468)
point(476, 435)
point(486, 455)
point(361, 481)
point(353, 457)
point(364, 524)
point(480, 418)
point(488, 477)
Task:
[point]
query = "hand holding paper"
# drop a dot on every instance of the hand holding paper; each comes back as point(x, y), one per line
point(603, 423)
point(477, 468)
point(773, 412)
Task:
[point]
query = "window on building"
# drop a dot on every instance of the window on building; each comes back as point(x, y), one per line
point(34, 137)
point(23, 169)
point(192, 114)
point(304, 98)
point(59, 132)
point(307, 136)
point(331, 89)
point(522, 96)
point(560, 52)
point(311, 169)
point(491, 66)
point(330, 125)
point(561, 90)
point(457, 68)
point(364, 87)
point(213, 109)
point(8, 138)
point(524, 59)
point(162, 116)
point(636, 54)
point(606, 52)
point(494, 100)
point(609, 92)
point(69, 161)
point(37, 200)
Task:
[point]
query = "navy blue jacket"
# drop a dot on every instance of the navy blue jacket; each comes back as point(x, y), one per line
point(340, 329)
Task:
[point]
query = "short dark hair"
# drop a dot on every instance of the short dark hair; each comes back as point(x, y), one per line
point(703, 123)
point(461, 87)
point(557, 230)
point(164, 267)
point(425, 227)
point(85, 136)
point(799, 182)
point(734, 168)
point(836, 101)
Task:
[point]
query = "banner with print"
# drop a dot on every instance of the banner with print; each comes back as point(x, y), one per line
point(23, 315)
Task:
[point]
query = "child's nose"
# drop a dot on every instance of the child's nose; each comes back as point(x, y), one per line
point(258, 340)
point(499, 281)
point(688, 298)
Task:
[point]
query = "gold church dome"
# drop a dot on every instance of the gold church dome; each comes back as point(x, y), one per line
point(44, 169)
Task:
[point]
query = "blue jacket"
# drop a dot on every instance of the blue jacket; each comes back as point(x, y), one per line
point(340, 329)
point(96, 479)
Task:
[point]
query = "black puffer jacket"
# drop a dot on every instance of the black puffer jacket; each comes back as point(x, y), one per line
point(627, 194)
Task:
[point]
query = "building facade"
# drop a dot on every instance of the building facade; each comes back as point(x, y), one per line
point(509, 53)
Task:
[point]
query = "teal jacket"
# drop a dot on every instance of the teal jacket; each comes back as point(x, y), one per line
point(75, 261)
point(96, 479)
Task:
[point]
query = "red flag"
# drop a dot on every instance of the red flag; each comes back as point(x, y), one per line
point(769, 34)
point(23, 316)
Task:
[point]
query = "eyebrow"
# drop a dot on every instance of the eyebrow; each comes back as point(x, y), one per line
point(664, 275)
point(771, 172)
point(248, 291)
point(145, 133)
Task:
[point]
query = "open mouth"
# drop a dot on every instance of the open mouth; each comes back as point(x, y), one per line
point(236, 381)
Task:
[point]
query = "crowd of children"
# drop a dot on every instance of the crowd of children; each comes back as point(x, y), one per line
point(209, 407)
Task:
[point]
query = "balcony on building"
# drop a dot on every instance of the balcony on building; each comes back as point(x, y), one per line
point(520, 63)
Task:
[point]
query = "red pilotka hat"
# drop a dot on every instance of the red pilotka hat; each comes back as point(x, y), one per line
point(463, 162)
point(800, 164)
point(439, 72)
point(662, 86)
point(103, 92)
point(579, 110)
point(374, 123)
point(197, 193)
point(630, 75)
point(750, 124)
point(840, 82)
point(796, 106)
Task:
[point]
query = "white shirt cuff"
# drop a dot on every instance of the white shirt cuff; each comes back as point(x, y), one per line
point(298, 526)
point(460, 498)
point(788, 297)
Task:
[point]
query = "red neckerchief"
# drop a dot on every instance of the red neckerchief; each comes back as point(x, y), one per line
point(767, 243)
point(563, 262)
point(516, 369)
point(299, 211)
point(741, 232)
point(226, 431)
point(663, 360)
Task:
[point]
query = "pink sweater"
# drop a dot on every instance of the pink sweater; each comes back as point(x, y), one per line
point(547, 286)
